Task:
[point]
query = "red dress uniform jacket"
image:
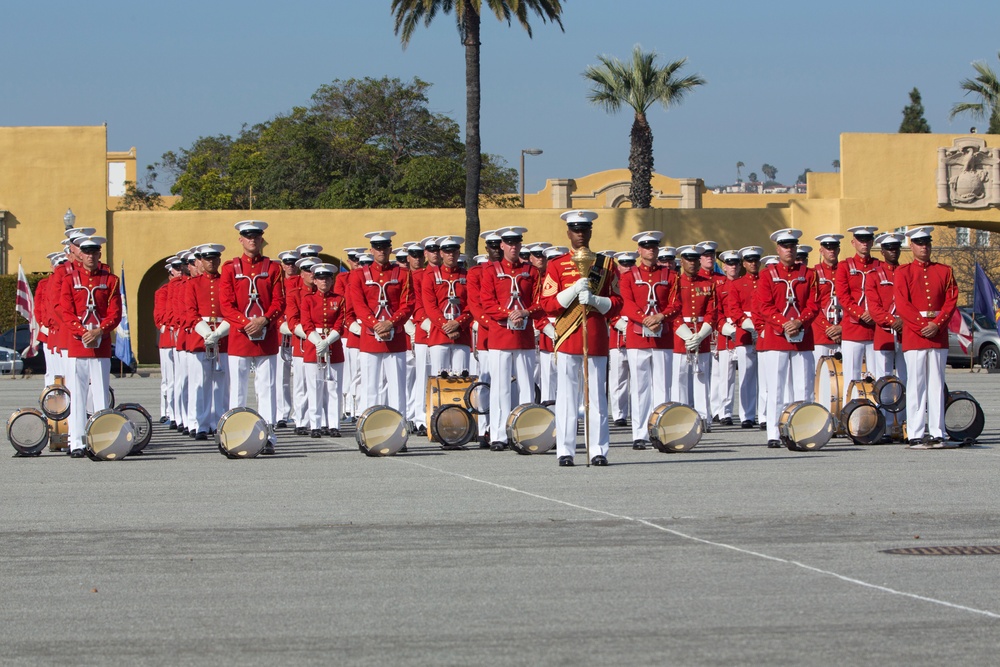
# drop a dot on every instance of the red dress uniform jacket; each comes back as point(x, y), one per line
point(562, 273)
point(505, 287)
point(925, 293)
point(41, 306)
point(723, 295)
point(740, 307)
point(265, 276)
point(775, 307)
point(439, 284)
point(90, 299)
point(323, 313)
point(340, 288)
point(59, 335)
point(882, 305)
point(295, 288)
point(367, 286)
point(473, 287)
point(160, 314)
point(648, 291)
point(826, 277)
point(175, 310)
point(852, 276)
point(203, 299)
point(420, 337)
point(697, 304)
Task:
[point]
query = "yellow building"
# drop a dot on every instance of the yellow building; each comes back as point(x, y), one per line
point(886, 180)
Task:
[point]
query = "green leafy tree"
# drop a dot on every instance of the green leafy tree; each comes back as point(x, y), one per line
point(753, 177)
point(142, 197)
point(803, 175)
point(913, 116)
point(836, 165)
point(638, 84)
point(770, 171)
point(739, 165)
point(986, 89)
point(408, 14)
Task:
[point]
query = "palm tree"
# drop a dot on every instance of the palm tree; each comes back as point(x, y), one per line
point(410, 13)
point(986, 87)
point(836, 165)
point(739, 165)
point(639, 84)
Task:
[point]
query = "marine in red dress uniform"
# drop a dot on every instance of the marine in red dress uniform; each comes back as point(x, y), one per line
point(827, 330)
point(445, 299)
point(739, 310)
point(693, 326)
point(888, 355)
point(858, 327)
point(323, 314)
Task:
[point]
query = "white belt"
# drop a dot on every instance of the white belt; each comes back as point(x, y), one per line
point(693, 319)
point(929, 313)
point(212, 320)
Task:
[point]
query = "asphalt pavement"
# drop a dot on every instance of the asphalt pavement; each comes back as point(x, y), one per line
point(731, 553)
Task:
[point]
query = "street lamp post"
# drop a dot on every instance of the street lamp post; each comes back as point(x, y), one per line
point(69, 219)
point(526, 151)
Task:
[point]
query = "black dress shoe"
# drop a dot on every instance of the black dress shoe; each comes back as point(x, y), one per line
point(201, 435)
point(774, 444)
point(315, 433)
point(728, 421)
point(184, 431)
point(334, 433)
point(715, 419)
point(620, 422)
point(301, 430)
point(763, 426)
point(484, 442)
point(886, 440)
point(77, 453)
point(639, 444)
point(599, 460)
point(163, 420)
point(173, 426)
point(746, 423)
point(565, 461)
point(268, 449)
point(422, 431)
point(281, 424)
point(498, 446)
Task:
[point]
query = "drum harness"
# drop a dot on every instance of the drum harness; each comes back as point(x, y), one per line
point(791, 301)
point(854, 271)
point(833, 313)
point(90, 316)
point(453, 310)
point(514, 303)
point(323, 362)
point(652, 304)
point(382, 312)
point(253, 293)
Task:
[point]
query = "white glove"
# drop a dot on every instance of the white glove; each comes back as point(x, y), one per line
point(285, 331)
point(684, 332)
point(332, 338)
point(202, 327)
point(299, 331)
point(728, 329)
point(601, 303)
point(321, 345)
point(621, 324)
point(747, 325)
point(211, 340)
point(410, 328)
point(222, 330)
point(163, 329)
point(694, 342)
point(355, 328)
point(570, 294)
point(549, 331)
point(45, 330)
point(426, 325)
point(475, 326)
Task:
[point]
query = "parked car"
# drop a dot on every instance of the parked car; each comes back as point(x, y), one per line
point(985, 342)
point(36, 364)
point(10, 361)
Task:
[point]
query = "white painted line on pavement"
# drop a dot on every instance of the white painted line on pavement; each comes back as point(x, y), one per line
point(721, 545)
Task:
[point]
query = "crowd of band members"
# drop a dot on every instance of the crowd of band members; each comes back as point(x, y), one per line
point(662, 324)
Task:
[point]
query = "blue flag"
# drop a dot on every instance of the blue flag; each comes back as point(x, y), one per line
point(123, 341)
point(985, 297)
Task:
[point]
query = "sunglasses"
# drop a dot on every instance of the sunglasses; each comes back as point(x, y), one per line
point(449, 248)
point(830, 246)
point(382, 245)
point(891, 246)
point(580, 228)
point(415, 253)
point(90, 250)
point(288, 262)
point(251, 234)
point(538, 253)
point(732, 262)
point(924, 241)
point(211, 255)
point(751, 258)
point(432, 248)
point(493, 245)
point(865, 238)
point(323, 276)
point(524, 254)
point(787, 244)
point(649, 244)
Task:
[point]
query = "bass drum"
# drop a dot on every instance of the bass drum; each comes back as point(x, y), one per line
point(381, 431)
point(139, 416)
point(674, 427)
point(109, 435)
point(830, 385)
point(241, 434)
point(964, 418)
point(863, 421)
point(890, 394)
point(531, 429)
point(447, 390)
point(452, 426)
point(805, 426)
point(28, 432)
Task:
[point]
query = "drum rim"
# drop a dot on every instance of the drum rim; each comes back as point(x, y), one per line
point(60, 415)
point(228, 414)
point(364, 416)
point(468, 394)
point(101, 414)
point(140, 443)
point(469, 433)
point(36, 449)
point(651, 427)
point(795, 407)
point(879, 419)
point(517, 411)
point(897, 406)
point(978, 421)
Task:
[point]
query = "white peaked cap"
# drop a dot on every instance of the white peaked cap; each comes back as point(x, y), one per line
point(829, 238)
point(654, 235)
point(574, 217)
point(750, 251)
point(783, 235)
point(79, 231)
point(378, 237)
point(250, 225)
point(309, 249)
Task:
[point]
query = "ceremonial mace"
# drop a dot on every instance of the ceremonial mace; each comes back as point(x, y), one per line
point(584, 260)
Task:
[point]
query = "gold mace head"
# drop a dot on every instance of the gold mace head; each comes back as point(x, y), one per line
point(584, 260)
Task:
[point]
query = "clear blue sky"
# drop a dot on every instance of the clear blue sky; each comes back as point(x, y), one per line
point(784, 78)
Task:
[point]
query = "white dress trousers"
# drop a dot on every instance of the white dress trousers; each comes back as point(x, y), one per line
point(452, 358)
point(383, 380)
point(323, 390)
point(264, 370)
point(649, 370)
point(483, 421)
point(790, 377)
point(697, 377)
point(167, 383)
point(547, 376)
point(618, 382)
point(925, 393)
point(180, 387)
point(746, 360)
point(724, 383)
point(283, 391)
point(418, 396)
point(568, 398)
point(854, 353)
point(208, 390)
point(507, 364)
point(89, 378)
point(352, 380)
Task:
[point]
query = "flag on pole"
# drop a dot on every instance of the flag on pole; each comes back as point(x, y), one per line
point(123, 341)
point(957, 326)
point(24, 304)
point(985, 296)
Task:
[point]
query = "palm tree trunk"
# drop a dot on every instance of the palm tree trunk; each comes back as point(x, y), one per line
point(640, 162)
point(473, 148)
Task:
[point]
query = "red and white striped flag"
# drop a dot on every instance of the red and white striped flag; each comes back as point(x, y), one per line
point(957, 326)
point(25, 307)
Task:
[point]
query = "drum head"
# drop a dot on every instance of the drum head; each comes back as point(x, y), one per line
point(141, 420)
point(381, 431)
point(531, 429)
point(674, 427)
point(477, 398)
point(863, 422)
point(55, 402)
point(805, 426)
point(452, 426)
point(109, 435)
point(28, 432)
point(964, 418)
point(241, 434)
point(890, 394)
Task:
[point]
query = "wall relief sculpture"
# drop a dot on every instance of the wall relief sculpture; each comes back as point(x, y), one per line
point(968, 174)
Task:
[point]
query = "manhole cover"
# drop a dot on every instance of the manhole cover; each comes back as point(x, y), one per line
point(946, 551)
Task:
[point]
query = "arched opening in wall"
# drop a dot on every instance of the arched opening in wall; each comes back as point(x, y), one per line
point(621, 201)
point(142, 314)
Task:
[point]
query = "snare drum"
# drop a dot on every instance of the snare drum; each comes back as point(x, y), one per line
point(805, 426)
point(28, 432)
point(241, 434)
point(139, 416)
point(863, 421)
point(531, 429)
point(674, 427)
point(381, 431)
point(890, 394)
point(964, 418)
point(830, 385)
point(109, 435)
